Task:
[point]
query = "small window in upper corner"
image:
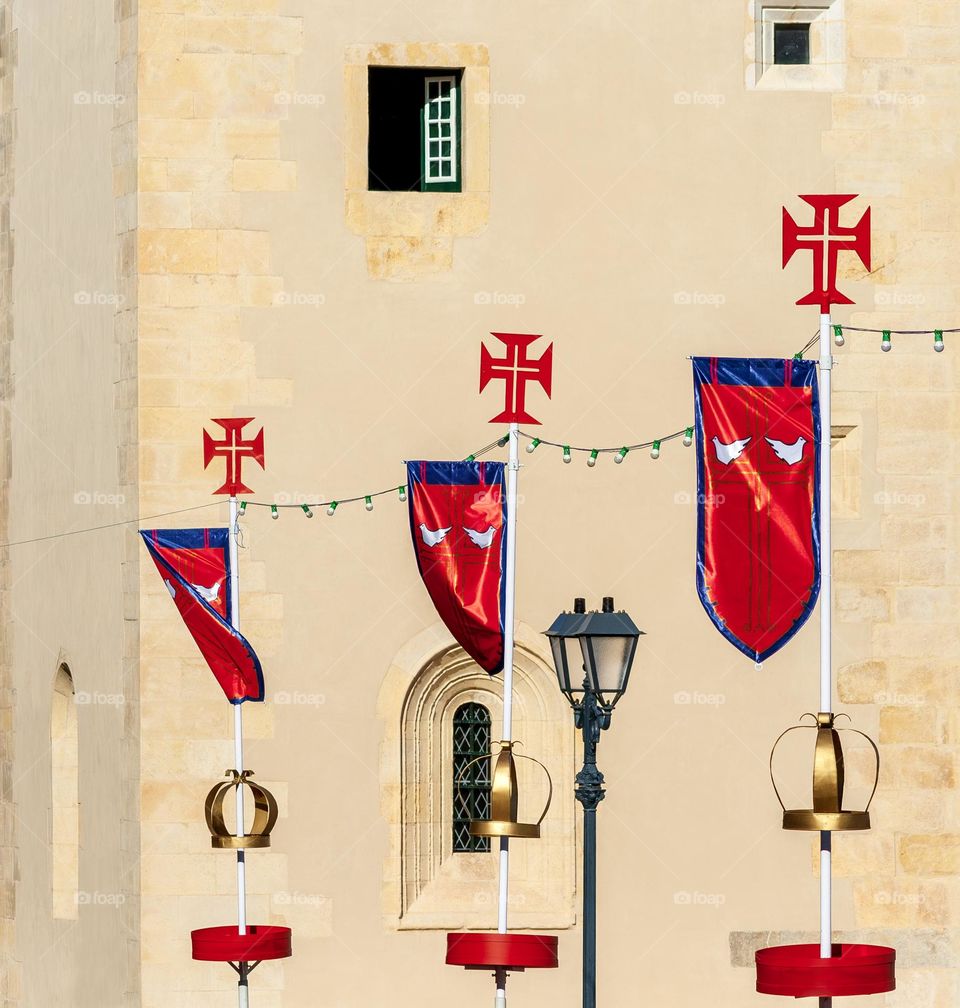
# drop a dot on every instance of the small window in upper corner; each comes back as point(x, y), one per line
point(415, 130)
point(791, 44)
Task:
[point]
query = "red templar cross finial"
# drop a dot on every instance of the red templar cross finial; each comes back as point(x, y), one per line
point(515, 369)
point(234, 449)
point(826, 239)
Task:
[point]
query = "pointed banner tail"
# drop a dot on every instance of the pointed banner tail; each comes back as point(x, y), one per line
point(195, 567)
point(758, 501)
point(458, 522)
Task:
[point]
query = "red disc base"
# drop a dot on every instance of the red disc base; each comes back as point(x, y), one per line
point(798, 971)
point(226, 944)
point(501, 951)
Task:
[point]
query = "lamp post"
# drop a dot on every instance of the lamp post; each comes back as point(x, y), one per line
point(600, 646)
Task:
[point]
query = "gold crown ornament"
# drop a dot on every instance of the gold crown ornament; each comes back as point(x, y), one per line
point(503, 821)
point(264, 813)
point(828, 813)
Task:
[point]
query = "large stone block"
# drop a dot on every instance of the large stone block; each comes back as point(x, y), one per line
point(179, 138)
point(251, 138)
point(243, 252)
point(264, 175)
point(406, 259)
point(877, 41)
point(177, 250)
point(164, 210)
point(927, 604)
point(889, 901)
point(160, 32)
point(862, 682)
point(923, 767)
point(930, 855)
point(911, 724)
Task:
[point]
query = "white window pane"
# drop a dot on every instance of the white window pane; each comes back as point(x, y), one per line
point(440, 112)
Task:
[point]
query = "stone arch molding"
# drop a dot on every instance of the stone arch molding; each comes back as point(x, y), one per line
point(425, 885)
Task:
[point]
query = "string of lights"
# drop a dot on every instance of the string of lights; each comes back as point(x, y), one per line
point(886, 335)
point(619, 453)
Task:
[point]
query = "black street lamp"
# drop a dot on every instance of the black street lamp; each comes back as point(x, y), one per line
point(600, 647)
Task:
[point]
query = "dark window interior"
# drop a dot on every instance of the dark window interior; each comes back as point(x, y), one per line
point(791, 43)
point(395, 102)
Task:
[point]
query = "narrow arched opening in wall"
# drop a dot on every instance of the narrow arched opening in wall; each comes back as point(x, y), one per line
point(64, 797)
point(435, 703)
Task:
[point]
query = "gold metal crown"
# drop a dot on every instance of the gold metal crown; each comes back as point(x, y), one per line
point(264, 814)
point(504, 798)
point(827, 814)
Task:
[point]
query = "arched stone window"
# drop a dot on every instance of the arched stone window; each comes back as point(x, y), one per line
point(428, 883)
point(471, 775)
point(65, 797)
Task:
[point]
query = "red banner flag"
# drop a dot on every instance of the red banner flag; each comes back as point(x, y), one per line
point(758, 478)
point(458, 524)
point(195, 567)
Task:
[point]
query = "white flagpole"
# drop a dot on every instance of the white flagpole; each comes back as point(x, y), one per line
point(513, 469)
point(826, 617)
point(243, 991)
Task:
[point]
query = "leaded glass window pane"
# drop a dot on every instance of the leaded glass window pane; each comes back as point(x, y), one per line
point(471, 774)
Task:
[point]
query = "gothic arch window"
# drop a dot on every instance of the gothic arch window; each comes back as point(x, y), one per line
point(64, 797)
point(431, 879)
point(471, 775)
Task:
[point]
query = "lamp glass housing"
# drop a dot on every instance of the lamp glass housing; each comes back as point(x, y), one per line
point(568, 654)
point(609, 644)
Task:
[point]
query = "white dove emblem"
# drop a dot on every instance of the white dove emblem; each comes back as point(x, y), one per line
point(481, 539)
point(790, 453)
point(727, 453)
point(208, 594)
point(433, 537)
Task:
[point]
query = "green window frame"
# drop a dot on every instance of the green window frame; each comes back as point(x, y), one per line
point(471, 775)
point(440, 161)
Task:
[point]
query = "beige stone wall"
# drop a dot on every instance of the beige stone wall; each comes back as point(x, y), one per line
point(69, 415)
point(898, 586)
point(892, 138)
point(604, 231)
point(125, 328)
point(626, 189)
point(212, 169)
point(10, 974)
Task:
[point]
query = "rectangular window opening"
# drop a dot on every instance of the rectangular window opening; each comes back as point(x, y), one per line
point(791, 44)
point(415, 129)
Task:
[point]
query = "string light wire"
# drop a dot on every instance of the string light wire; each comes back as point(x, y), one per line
point(620, 451)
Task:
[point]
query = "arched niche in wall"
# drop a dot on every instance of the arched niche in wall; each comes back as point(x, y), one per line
point(64, 797)
point(428, 885)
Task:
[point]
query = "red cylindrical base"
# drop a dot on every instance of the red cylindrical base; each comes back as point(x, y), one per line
point(798, 971)
point(502, 951)
point(226, 944)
